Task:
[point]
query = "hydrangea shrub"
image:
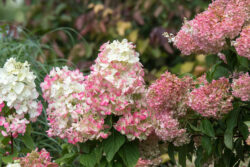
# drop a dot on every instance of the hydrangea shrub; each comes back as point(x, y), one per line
point(111, 117)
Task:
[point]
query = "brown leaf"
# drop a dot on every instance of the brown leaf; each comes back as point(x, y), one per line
point(102, 26)
point(84, 65)
point(77, 51)
point(158, 11)
point(156, 38)
point(79, 22)
point(63, 36)
point(57, 50)
point(138, 18)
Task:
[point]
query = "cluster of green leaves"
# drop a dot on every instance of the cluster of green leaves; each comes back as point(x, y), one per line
point(115, 151)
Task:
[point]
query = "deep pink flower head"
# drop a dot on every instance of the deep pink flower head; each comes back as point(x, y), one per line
point(242, 44)
point(212, 99)
point(168, 94)
point(241, 87)
point(208, 31)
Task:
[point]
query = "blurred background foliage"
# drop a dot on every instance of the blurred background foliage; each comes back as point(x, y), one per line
point(75, 29)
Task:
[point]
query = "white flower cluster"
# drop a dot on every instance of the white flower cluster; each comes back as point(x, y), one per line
point(18, 92)
point(16, 164)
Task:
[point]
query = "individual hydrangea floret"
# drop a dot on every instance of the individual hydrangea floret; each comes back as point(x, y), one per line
point(208, 31)
point(241, 87)
point(68, 113)
point(18, 97)
point(242, 44)
point(212, 99)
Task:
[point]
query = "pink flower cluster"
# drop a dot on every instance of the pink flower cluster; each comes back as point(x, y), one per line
point(116, 86)
point(37, 159)
point(167, 101)
point(208, 31)
point(167, 94)
point(68, 113)
point(242, 44)
point(241, 87)
point(211, 99)
point(78, 105)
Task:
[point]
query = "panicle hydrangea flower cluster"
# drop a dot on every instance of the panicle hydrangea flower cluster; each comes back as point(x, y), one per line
point(166, 99)
point(208, 31)
point(167, 94)
point(18, 97)
point(242, 44)
point(116, 86)
point(34, 159)
point(241, 87)
point(68, 113)
point(211, 99)
point(78, 105)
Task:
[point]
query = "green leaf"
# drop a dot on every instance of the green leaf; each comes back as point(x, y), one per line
point(210, 73)
point(194, 128)
point(231, 122)
point(206, 144)
point(93, 158)
point(129, 154)
point(66, 157)
point(247, 123)
point(28, 141)
point(88, 160)
point(113, 144)
point(239, 147)
point(243, 130)
point(220, 72)
point(98, 154)
point(9, 158)
point(207, 128)
point(171, 152)
point(117, 164)
point(103, 163)
point(198, 159)
point(243, 61)
point(182, 153)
